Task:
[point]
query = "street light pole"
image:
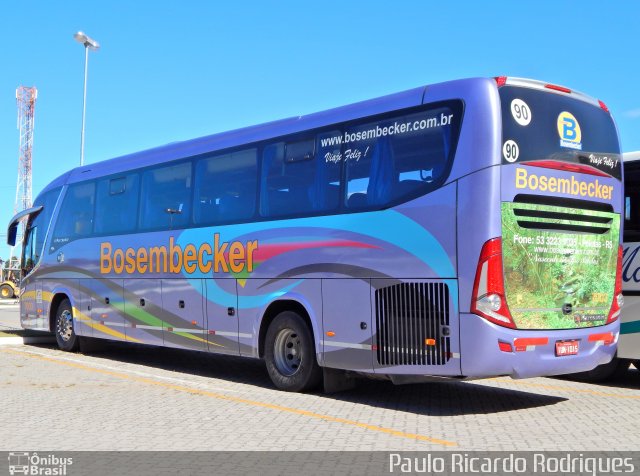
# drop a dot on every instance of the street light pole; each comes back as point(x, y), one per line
point(89, 43)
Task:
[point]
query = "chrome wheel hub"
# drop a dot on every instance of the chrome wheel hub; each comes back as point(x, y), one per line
point(287, 352)
point(64, 326)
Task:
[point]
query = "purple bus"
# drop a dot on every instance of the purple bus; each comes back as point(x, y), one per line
point(466, 229)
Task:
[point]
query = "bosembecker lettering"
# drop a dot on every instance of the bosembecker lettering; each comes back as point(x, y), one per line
point(218, 256)
point(580, 188)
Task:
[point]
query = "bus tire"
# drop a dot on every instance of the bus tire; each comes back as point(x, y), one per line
point(290, 354)
point(65, 334)
point(6, 291)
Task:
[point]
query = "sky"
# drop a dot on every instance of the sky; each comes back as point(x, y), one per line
point(168, 71)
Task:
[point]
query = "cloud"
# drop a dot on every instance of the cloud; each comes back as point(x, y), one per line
point(633, 113)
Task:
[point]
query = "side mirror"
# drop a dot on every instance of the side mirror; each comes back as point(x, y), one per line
point(12, 233)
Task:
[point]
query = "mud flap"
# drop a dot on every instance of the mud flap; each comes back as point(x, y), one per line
point(335, 380)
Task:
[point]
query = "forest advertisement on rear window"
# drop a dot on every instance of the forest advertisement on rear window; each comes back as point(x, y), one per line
point(559, 265)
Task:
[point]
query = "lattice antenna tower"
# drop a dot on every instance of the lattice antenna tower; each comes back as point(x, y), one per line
point(26, 101)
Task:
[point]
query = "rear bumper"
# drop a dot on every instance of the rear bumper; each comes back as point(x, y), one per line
point(481, 356)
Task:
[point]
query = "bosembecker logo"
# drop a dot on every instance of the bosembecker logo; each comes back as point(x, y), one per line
point(569, 131)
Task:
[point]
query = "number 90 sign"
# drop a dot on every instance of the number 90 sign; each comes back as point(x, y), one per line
point(510, 151)
point(521, 112)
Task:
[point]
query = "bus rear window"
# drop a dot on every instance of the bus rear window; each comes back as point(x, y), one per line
point(541, 125)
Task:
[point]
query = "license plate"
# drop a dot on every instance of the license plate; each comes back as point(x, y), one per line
point(567, 347)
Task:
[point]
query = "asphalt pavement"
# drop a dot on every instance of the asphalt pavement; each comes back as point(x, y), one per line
point(9, 314)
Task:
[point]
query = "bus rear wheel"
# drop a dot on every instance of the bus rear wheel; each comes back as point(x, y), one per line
point(65, 335)
point(290, 354)
point(614, 369)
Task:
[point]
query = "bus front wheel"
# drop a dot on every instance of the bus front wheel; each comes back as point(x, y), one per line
point(290, 354)
point(65, 335)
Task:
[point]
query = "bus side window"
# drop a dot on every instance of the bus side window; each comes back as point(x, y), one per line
point(299, 177)
point(365, 162)
point(325, 191)
point(421, 160)
point(631, 215)
point(632, 201)
point(225, 188)
point(397, 159)
point(30, 255)
point(115, 198)
point(75, 219)
point(166, 193)
point(48, 200)
point(285, 182)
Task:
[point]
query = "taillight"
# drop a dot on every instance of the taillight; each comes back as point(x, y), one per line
point(568, 167)
point(603, 106)
point(555, 87)
point(488, 298)
point(618, 299)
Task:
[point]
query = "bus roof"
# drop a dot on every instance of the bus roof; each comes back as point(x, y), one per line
point(629, 156)
point(247, 135)
point(292, 125)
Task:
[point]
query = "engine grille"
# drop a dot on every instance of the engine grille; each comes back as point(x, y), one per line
point(408, 315)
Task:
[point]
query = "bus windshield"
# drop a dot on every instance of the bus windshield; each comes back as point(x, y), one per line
point(549, 126)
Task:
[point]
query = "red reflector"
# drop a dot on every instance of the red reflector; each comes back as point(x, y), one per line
point(505, 346)
point(606, 337)
point(501, 80)
point(522, 343)
point(603, 106)
point(170, 329)
point(212, 332)
point(568, 167)
point(555, 87)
